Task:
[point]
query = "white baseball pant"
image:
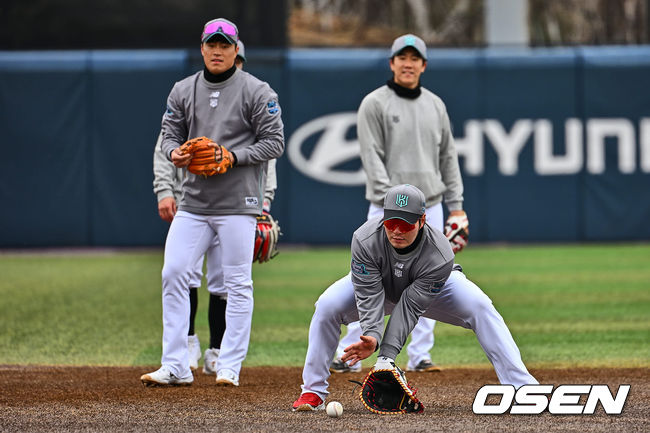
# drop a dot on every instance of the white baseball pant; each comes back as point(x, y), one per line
point(190, 236)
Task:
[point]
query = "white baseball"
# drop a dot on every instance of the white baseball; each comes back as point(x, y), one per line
point(334, 409)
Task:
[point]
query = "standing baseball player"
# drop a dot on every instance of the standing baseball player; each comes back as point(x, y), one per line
point(167, 185)
point(403, 267)
point(241, 115)
point(405, 136)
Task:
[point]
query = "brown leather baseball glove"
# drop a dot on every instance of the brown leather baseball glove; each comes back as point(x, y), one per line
point(204, 157)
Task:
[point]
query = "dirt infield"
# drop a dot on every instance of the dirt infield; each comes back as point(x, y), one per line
point(37, 398)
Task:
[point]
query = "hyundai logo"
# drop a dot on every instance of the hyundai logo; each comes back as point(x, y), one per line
point(331, 150)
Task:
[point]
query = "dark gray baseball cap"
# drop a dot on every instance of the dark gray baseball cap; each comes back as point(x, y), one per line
point(408, 41)
point(220, 27)
point(405, 202)
point(242, 50)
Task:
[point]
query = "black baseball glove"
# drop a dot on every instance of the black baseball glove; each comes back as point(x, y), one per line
point(386, 391)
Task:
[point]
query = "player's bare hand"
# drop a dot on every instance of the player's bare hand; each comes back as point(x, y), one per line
point(167, 209)
point(180, 159)
point(355, 352)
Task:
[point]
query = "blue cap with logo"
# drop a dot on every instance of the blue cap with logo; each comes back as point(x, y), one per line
point(405, 202)
point(406, 41)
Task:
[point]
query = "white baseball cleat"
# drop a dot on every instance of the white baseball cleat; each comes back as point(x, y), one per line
point(227, 378)
point(210, 361)
point(164, 377)
point(194, 348)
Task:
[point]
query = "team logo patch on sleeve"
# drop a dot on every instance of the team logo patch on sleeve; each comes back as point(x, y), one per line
point(272, 107)
point(358, 268)
point(437, 286)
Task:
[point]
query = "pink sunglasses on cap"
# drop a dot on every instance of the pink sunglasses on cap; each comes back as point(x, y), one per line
point(220, 26)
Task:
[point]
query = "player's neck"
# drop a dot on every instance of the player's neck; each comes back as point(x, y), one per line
point(218, 78)
point(404, 92)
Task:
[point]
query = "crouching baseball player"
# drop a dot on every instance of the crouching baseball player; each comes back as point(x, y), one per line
point(402, 267)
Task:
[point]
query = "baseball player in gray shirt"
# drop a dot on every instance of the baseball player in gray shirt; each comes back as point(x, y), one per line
point(402, 267)
point(235, 110)
point(167, 185)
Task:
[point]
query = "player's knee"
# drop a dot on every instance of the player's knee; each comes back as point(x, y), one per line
point(327, 307)
point(173, 271)
point(241, 301)
point(476, 308)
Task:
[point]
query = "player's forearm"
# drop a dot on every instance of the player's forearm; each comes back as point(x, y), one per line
point(173, 127)
point(164, 174)
point(271, 181)
point(370, 305)
point(269, 146)
point(403, 319)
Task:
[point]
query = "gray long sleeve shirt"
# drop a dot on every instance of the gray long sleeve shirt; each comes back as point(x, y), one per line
point(408, 141)
point(241, 113)
point(410, 281)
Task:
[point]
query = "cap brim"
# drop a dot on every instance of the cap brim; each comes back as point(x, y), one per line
point(409, 217)
point(423, 56)
point(228, 38)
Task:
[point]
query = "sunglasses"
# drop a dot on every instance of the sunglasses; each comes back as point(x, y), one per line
point(394, 223)
point(220, 26)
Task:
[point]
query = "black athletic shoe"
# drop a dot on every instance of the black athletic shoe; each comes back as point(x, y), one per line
point(338, 366)
point(425, 365)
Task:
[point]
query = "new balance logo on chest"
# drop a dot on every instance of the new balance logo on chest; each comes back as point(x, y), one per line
point(214, 99)
point(398, 269)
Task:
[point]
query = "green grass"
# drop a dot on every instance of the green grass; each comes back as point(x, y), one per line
point(583, 305)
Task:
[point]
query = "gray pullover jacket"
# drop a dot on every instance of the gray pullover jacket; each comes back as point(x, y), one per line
point(410, 281)
point(241, 113)
point(408, 141)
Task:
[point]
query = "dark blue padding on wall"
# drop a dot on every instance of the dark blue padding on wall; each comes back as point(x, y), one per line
point(129, 93)
point(525, 206)
point(79, 129)
point(44, 123)
point(616, 205)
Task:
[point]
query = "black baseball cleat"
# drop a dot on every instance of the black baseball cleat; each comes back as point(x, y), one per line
point(338, 366)
point(425, 366)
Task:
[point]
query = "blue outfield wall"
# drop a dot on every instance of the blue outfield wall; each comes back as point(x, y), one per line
point(554, 144)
